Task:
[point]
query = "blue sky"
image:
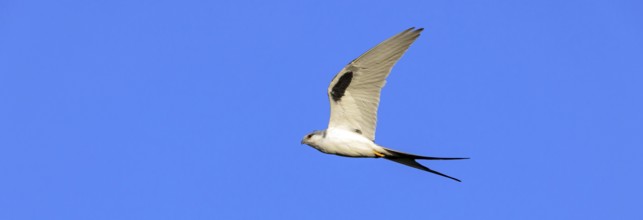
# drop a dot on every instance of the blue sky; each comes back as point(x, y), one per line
point(195, 110)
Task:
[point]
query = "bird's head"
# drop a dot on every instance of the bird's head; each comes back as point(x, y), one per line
point(313, 137)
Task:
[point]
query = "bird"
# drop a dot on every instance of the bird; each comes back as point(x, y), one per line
point(354, 95)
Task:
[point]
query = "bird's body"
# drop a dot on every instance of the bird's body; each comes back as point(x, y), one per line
point(346, 143)
point(354, 96)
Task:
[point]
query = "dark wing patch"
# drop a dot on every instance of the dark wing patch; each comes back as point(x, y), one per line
point(340, 87)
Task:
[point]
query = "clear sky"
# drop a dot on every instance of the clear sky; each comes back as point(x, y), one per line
point(196, 109)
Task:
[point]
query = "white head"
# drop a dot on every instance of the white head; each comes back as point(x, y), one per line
point(313, 138)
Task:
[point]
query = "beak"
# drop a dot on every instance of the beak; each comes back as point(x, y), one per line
point(302, 141)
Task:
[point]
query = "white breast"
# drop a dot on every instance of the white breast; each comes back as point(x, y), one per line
point(347, 143)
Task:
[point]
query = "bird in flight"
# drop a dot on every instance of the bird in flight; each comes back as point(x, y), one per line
point(354, 96)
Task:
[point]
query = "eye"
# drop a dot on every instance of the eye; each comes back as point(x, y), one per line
point(308, 136)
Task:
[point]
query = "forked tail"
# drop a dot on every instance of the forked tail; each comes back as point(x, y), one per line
point(409, 160)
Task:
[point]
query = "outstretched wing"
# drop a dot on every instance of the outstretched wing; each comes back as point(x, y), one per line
point(354, 93)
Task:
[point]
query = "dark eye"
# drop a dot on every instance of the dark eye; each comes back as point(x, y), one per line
point(308, 137)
